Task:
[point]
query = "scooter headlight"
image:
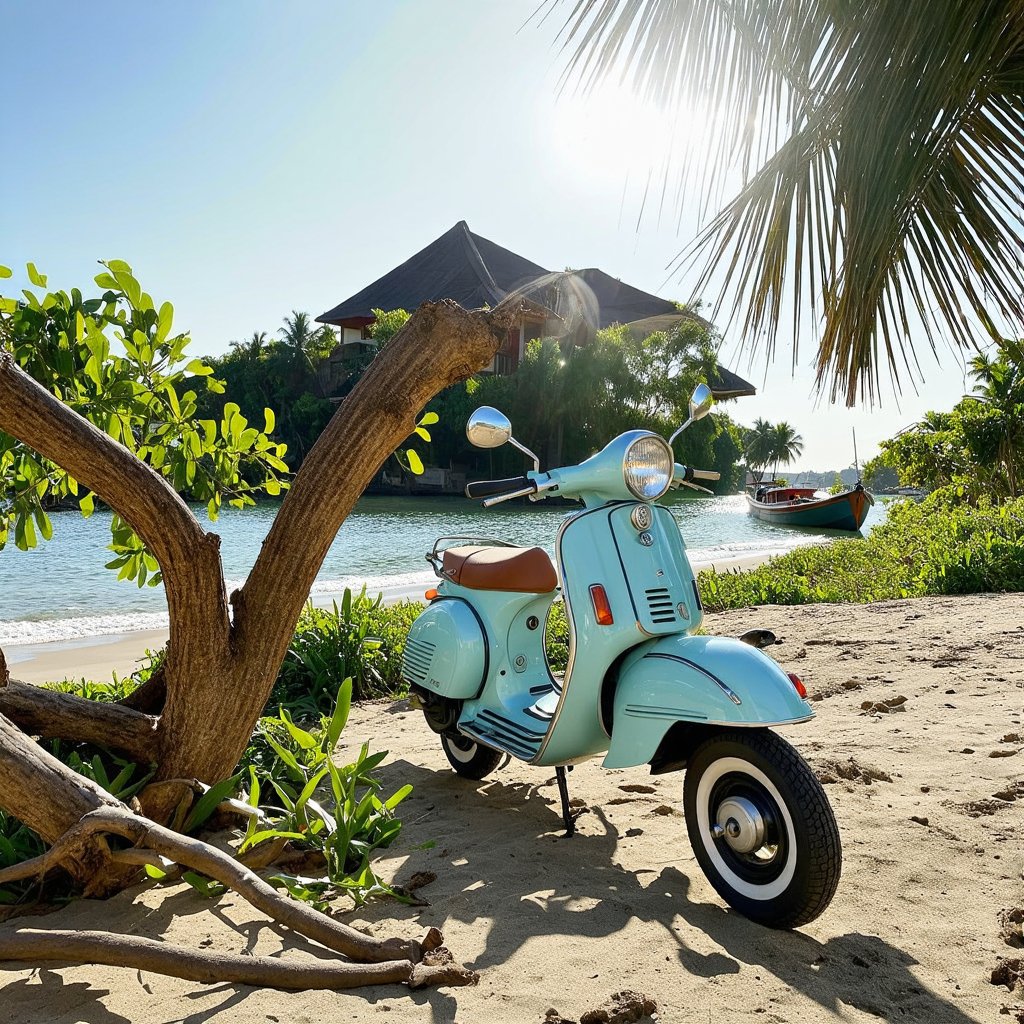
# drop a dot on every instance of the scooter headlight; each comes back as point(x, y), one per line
point(648, 467)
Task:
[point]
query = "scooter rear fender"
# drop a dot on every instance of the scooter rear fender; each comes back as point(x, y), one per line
point(698, 680)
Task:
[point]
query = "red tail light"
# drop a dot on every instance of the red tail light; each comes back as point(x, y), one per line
point(797, 684)
point(602, 607)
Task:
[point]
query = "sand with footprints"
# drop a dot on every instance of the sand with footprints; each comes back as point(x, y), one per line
point(918, 740)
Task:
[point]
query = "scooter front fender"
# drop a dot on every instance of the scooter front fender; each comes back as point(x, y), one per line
point(702, 680)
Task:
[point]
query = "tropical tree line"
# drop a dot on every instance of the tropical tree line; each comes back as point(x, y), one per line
point(565, 401)
point(977, 446)
point(281, 372)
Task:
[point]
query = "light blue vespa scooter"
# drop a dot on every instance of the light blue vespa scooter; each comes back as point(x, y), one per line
point(640, 686)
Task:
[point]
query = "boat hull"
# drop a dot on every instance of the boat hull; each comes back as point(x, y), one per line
point(845, 511)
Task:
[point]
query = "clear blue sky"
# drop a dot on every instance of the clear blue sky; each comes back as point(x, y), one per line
point(251, 158)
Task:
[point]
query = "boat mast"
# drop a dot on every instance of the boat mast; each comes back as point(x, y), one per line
point(856, 463)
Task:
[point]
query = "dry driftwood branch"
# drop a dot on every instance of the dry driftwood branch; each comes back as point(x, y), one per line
point(144, 954)
point(43, 792)
point(416, 962)
point(223, 868)
point(49, 714)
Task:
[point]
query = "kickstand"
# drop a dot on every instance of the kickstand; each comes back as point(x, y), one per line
point(563, 792)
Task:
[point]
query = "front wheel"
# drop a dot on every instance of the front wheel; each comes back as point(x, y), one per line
point(761, 828)
point(470, 759)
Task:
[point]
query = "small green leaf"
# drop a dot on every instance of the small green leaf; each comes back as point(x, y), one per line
point(5, 271)
point(429, 418)
point(268, 421)
point(34, 276)
point(397, 797)
point(415, 462)
point(207, 803)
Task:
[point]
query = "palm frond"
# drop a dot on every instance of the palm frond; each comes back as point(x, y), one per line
point(882, 148)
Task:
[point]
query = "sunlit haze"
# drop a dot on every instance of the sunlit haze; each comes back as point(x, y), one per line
point(251, 159)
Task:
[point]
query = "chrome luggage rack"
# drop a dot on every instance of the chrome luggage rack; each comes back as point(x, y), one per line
point(436, 556)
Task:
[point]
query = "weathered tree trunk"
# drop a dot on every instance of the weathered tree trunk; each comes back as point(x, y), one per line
point(220, 667)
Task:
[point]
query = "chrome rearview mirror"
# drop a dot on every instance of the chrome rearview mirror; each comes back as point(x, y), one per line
point(701, 402)
point(488, 428)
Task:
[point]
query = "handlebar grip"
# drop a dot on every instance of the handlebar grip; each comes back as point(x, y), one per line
point(485, 488)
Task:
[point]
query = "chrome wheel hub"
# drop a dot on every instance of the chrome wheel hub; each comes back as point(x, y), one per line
point(740, 824)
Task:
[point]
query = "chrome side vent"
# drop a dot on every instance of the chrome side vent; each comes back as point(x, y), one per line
point(660, 605)
point(416, 660)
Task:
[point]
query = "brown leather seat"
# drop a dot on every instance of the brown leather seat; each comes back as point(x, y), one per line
point(517, 570)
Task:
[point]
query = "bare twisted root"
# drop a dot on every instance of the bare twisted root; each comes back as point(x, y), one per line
point(371, 961)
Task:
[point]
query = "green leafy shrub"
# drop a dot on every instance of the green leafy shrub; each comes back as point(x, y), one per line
point(940, 546)
point(556, 637)
point(361, 638)
point(287, 765)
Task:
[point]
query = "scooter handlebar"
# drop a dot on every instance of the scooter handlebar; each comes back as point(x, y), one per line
point(485, 488)
point(684, 474)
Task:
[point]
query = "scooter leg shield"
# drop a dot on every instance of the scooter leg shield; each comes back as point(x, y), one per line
point(702, 680)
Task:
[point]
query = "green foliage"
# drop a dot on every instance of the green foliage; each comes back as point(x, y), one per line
point(17, 843)
point(567, 401)
point(387, 324)
point(146, 399)
point(361, 638)
point(880, 477)
point(287, 765)
point(837, 486)
point(771, 444)
point(798, 101)
point(556, 637)
point(978, 445)
point(941, 546)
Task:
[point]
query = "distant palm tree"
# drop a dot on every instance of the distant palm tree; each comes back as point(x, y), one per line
point(254, 348)
point(759, 446)
point(880, 146)
point(308, 345)
point(1000, 387)
point(787, 445)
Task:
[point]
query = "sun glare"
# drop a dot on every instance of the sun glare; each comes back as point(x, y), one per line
point(611, 135)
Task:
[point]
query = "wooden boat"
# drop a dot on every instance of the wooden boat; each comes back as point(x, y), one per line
point(798, 506)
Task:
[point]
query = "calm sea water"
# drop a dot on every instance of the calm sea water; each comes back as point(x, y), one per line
point(61, 590)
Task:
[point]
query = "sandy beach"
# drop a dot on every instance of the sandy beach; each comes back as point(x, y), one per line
point(930, 803)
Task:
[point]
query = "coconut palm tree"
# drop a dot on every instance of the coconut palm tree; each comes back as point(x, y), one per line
point(1000, 387)
point(254, 348)
point(786, 445)
point(758, 446)
point(880, 147)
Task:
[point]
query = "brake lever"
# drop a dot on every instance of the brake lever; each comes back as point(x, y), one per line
point(696, 487)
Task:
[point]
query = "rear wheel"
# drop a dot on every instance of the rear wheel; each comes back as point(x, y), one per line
point(470, 759)
point(761, 828)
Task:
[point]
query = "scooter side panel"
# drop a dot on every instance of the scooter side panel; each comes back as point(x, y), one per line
point(706, 680)
point(446, 650)
point(588, 554)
